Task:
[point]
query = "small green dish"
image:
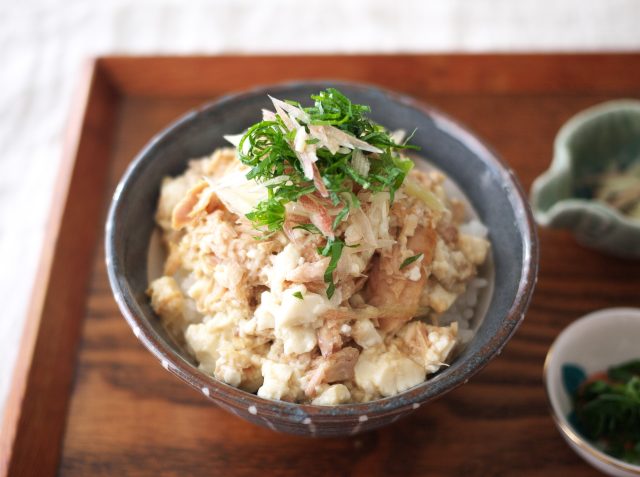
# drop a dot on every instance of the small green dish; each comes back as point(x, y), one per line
point(587, 145)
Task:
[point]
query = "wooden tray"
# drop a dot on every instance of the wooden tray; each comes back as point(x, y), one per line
point(89, 400)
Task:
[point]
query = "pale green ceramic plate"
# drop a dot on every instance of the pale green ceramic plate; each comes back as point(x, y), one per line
point(587, 145)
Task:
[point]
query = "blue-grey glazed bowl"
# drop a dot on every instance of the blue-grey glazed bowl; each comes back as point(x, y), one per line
point(488, 183)
point(590, 143)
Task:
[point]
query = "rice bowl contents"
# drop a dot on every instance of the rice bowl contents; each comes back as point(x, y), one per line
point(311, 263)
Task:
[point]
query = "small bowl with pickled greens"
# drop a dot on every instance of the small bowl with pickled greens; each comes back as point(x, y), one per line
point(592, 378)
point(593, 184)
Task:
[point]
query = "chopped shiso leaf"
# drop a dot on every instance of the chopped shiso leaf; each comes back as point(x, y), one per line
point(320, 155)
point(308, 227)
point(333, 249)
point(410, 260)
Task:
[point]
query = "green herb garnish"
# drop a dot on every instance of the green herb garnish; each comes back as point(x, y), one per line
point(333, 249)
point(298, 295)
point(624, 372)
point(340, 217)
point(326, 152)
point(410, 260)
point(308, 227)
point(608, 411)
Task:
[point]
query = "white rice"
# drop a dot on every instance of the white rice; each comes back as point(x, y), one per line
point(474, 227)
point(465, 308)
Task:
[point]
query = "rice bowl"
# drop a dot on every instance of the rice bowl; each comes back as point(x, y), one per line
point(487, 182)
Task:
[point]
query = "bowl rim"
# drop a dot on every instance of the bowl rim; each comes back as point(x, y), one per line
point(558, 417)
point(407, 400)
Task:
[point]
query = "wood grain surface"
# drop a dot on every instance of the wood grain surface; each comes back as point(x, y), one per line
point(128, 416)
point(37, 404)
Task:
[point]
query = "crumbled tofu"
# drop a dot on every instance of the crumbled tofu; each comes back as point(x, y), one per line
point(333, 395)
point(474, 248)
point(227, 275)
point(297, 339)
point(276, 380)
point(228, 374)
point(386, 373)
point(264, 313)
point(285, 261)
point(450, 266)
point(428, 345)
point(169, 302)
point(255, 313)
point(202, 339)
point(414, 274)
point(295, 311)
point(437, 297)
point(365, 334)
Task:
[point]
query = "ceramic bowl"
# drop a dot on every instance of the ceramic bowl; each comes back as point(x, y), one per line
point(490, 186)
point(591, 344)
point(587, 145)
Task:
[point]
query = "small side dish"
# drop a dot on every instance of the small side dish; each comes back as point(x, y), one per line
point(620, 189)
point(593, 184)
point(591, 375)
point(312, 263)
point(607, 409)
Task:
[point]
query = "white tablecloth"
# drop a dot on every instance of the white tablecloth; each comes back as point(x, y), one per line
point(43, 42)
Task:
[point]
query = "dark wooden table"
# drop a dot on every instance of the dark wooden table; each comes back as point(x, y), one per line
point(88, 400)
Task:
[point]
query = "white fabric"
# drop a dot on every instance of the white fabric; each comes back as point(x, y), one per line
point(43, 42)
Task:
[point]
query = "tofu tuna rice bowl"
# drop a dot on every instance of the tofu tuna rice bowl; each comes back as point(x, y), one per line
point(313, 263)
